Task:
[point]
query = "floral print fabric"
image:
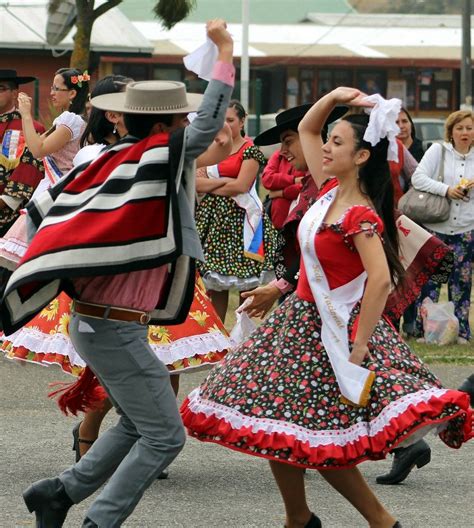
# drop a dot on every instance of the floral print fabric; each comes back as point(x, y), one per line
point(200, 341)
point(276, 396)
point(220, 221)
point(459, 282)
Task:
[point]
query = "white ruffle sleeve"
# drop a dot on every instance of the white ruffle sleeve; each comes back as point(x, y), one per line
point(72, 121)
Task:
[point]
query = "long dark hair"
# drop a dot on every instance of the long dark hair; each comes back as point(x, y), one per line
point(376, 183)
point(413, 129)
point(78, 104)
point(98, 126)
point(240, 111)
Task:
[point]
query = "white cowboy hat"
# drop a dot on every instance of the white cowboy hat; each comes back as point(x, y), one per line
point(150, 97)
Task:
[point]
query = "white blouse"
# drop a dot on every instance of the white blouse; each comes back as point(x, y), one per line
point(456, 166)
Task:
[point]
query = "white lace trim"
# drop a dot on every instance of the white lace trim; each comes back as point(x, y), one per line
point(217, 282)
point(12, 248)
point(42, 364)
point(38, 342)
point(186, 370)
point(190, 346)
point(339, 437)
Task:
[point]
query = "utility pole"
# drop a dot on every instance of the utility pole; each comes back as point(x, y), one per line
point(466, 66)
point(244, 59)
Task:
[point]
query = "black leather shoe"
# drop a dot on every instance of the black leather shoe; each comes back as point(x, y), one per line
point(50, 502)
point(314, 522)
point(468, 386)
point(404, 460)
point(163, 475)
point(88, 523)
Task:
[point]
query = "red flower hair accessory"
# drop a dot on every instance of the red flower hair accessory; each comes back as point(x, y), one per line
point(79, 79)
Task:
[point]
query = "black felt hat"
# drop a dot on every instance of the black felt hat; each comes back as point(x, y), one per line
point(10, 75)
point(289, 120)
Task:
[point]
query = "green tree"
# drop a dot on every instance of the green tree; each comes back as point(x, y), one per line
point(169, 12)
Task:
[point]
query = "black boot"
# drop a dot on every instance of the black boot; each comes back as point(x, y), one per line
point(468, 386)
point(404, 460)
point(88, 523)
point(50, 502)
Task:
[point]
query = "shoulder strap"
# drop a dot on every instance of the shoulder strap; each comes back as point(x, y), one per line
point(441, 166)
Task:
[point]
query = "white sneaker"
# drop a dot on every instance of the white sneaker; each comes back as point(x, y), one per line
point(462, 341)
point(421, 340)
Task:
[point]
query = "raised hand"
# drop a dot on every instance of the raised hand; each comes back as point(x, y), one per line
point(24, 104)
point(350, 96)
point(217, 32)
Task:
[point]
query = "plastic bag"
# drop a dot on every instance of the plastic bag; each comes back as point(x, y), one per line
point(440, 325)
point(244, 326)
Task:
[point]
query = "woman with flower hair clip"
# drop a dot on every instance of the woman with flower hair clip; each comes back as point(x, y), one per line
point(69, 93)
point(325, 382)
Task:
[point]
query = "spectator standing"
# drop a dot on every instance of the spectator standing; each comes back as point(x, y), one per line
point(458, 230)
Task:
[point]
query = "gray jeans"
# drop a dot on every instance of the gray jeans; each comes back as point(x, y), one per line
point(149, 433)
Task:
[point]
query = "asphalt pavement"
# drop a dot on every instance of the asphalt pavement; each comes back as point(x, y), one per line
point(210, 486)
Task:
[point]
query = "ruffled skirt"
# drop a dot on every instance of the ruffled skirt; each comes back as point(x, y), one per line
point(14, 244)
point(220, 222)
point(276, 396)
point(200, 342)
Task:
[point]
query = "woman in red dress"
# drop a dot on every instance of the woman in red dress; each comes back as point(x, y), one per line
point(326, 383)
point(238, 239)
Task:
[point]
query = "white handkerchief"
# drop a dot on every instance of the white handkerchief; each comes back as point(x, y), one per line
point(382, 123)
point(202, 60)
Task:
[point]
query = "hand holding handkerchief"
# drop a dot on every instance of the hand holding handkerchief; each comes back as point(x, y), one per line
point(202, 60)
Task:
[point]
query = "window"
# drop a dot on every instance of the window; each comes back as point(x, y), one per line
point(136, 71)
point(306, 83)
point(372, 82)
point(161, 73)
point(435, 89)
point(330, 79)
point(409, 76)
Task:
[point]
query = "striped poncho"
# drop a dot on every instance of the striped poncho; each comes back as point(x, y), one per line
point(131, 209)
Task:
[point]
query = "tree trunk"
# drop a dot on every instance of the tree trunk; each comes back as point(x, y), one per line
point(86, 16)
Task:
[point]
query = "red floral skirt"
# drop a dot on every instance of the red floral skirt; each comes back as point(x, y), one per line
point(276, 397)
point(199, 342)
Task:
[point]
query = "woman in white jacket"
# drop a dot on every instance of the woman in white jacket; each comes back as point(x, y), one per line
point(458, 230)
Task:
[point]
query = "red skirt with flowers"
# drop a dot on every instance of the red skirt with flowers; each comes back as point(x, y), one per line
point(199, 342)
point(276, 397)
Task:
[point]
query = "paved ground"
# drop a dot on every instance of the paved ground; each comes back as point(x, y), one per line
point(209, 486)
